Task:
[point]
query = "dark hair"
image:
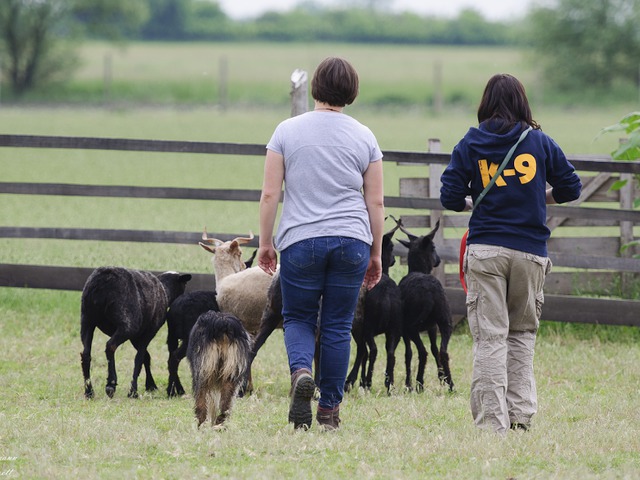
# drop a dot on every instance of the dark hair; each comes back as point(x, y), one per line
point(504, 100)
point(335, 82)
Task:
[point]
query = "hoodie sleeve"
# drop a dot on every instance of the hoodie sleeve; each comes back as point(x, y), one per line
point(455, 182)
point(561, 175)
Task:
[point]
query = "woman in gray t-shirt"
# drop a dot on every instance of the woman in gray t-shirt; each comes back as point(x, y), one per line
point(329, 236)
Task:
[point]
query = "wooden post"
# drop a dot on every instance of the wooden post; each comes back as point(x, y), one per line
point(299, 92)
point(435, 170)
point(222, 82)
point(438, 100)
point(626, 229)
point(107, 76)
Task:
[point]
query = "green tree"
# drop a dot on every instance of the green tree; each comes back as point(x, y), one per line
point(587, 43)
point(207, 20)
point(168, 20)
point(38, 37)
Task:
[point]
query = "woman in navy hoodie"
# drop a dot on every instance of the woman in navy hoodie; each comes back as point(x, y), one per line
point(506, 256)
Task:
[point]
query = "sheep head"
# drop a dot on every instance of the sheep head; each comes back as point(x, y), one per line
point(227, 256)
point(422, 256)
point(388, 260)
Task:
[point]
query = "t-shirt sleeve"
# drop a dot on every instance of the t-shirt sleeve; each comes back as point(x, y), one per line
point(275, 143)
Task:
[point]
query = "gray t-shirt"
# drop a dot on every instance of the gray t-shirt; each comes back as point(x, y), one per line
point(325, 157)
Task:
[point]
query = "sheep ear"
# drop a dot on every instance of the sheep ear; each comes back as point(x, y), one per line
point(435, 229)
point(405, 243)
point(234, 245)
point(184, 278)
point(249, 262)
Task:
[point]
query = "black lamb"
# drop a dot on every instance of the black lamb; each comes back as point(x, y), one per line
point(181, 317)
point(381, 314)
point(125, 305)
point(425, 307)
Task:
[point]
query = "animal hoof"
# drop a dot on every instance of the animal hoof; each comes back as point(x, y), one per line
point(173, 392)
point(133, 394)
point(110, 391)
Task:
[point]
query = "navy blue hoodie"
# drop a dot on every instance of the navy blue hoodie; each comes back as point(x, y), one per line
point(513, 213)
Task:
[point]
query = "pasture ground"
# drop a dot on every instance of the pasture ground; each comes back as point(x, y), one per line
point(588, 425)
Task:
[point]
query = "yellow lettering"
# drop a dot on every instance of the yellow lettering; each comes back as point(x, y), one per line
point(487, 172)
point(525, 164)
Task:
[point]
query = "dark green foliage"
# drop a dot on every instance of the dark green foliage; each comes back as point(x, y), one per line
point(587, 44)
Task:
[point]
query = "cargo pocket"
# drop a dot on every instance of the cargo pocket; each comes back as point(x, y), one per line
point(480, 260)
point(539, 304)
point(472, 313)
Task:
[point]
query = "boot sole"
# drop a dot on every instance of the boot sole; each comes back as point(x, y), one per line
point(300, 409)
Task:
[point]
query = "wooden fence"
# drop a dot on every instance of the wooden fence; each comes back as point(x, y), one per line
point(588, 261)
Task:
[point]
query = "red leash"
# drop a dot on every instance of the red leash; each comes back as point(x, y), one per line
point(463, 248)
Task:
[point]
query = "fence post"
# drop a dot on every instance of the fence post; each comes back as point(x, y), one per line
point(223, 80)
point(435, 170)
point(299, 92)
point(107, 77)
point(626, 229)
point(438, 99)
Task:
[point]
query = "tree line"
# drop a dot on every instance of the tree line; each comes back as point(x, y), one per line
point(579, 44)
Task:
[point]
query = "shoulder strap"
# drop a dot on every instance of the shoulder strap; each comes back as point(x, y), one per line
point(501, 167)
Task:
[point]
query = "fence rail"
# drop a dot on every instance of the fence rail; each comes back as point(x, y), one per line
point(596, 258)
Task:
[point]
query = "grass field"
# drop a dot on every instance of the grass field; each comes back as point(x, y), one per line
point(588, 425)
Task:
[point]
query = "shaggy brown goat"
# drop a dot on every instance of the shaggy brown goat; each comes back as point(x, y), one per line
point(218, 354)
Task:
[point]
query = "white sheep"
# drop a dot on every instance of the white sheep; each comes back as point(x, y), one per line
point(241, 292)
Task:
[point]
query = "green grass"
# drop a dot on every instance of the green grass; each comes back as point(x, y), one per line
point(194, 72)
point(587, 426)
point(588, 422)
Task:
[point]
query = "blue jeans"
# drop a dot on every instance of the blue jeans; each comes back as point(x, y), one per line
point(330, 269)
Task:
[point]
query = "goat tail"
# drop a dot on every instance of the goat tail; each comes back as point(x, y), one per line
point(219, 350)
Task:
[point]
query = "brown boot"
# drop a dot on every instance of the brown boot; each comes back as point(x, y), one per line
point(328, 418)
point(302, 389)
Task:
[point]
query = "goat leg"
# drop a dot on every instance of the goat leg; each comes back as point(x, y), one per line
point(85, 360)
point(110, 352)
point(227, 394)
point(201, 405)
point(149, 384)
point(175, 387)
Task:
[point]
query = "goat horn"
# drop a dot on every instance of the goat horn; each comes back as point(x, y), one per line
point(401, 227)
point(207, 247)
point(213, 241)
point(393, 230)
point(242, 240)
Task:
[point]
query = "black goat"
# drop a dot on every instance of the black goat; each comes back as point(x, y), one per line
point(125, 305)
point(424, 307)
point(272, 319)
point(218, 353)
point(181, 317)
point(381, 313)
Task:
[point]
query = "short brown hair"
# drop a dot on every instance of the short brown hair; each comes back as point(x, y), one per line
point(335, 82)
point(505, 99)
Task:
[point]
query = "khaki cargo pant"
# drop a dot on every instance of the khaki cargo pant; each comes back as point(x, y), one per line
point(504, 302)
